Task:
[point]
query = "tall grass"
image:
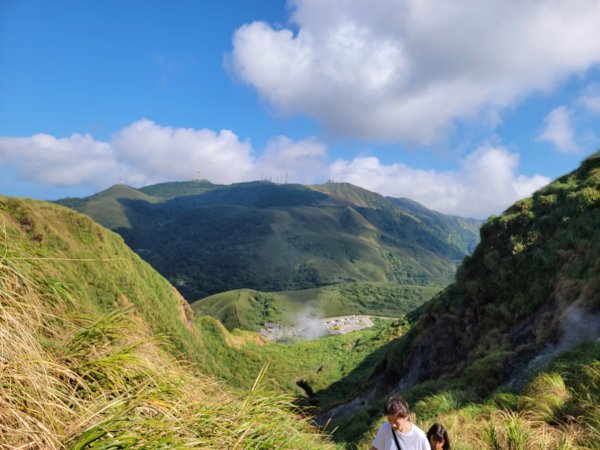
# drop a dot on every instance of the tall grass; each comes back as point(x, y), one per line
point(72, 377)
point(545, 396)
point(489, 427)
point(556, 410)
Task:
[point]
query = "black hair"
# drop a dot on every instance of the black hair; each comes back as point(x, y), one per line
point(438, 432)
point(396, 406)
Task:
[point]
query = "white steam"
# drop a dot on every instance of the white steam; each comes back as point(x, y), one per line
point(577, 325)
point(309, 323)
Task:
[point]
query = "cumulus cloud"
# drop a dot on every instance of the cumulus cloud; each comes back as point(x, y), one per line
point(408, 70)
point(145, 152)
point(485, 183)
point(78, 159)
point(558, 130)
point(283, 158)
point(161, 153)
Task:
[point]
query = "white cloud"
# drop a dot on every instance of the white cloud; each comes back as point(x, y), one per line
point(145, 153)
point(298, 162)
point(156, 153)
point(407, 70)
point(486, 182)
point(559, 130)
point(592, 103)
point(78, 159)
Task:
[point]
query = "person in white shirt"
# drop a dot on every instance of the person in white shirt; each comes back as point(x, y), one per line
point(399, 433)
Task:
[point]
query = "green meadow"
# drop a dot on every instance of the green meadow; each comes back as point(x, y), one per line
point(248, 309)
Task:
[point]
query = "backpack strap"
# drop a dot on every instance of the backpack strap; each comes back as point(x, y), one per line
point(395, 438)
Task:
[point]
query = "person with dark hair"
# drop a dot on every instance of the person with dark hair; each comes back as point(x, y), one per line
point(438, 437)
point(399, 433)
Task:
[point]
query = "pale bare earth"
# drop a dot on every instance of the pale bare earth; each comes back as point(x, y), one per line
point(318, 327)
point(347, 324)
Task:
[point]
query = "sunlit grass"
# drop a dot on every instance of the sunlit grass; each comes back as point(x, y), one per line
point(535, 423)
point(74, 377)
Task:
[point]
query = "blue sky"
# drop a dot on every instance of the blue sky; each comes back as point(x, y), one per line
point(464, 106)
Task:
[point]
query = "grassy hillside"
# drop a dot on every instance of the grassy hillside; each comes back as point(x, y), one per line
point(557, 409)
point(457, 230)
point(207, 239)
point(531, 279)
point(346, 193)
point(482, 355)
point(250, 310)
point(108, 205)
point(310, 370)
point(95, 344)
point(179, 189)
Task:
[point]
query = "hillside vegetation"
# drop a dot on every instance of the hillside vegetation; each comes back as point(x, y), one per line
point(207, 239)
point(250, 310)
point(532, 284)
point(99, 351)
point(557, 409)
point(487, 355)
point(106, 204)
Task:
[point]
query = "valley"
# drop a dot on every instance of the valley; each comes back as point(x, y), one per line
point(316, 328)
point(118, 356)
point(250, 309)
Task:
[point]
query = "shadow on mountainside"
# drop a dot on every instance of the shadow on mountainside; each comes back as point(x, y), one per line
point(349, 407)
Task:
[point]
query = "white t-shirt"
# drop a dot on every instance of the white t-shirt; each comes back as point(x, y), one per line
point(415, 439)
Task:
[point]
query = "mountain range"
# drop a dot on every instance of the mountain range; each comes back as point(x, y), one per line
point(206, 238)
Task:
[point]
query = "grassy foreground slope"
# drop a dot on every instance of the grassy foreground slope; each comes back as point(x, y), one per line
point(557, 409)
point(93, 344)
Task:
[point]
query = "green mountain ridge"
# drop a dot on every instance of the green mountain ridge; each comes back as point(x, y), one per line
point(211, 238)
point(107, 204)
point(178, 189)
